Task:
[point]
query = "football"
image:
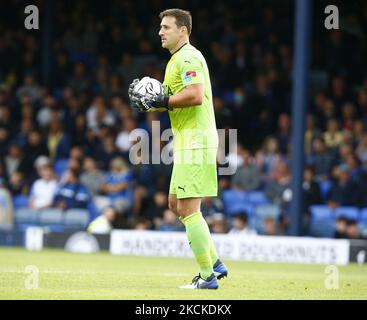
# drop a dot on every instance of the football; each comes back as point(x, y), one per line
point(149, 86)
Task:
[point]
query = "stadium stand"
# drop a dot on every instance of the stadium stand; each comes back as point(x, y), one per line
point(249, 53)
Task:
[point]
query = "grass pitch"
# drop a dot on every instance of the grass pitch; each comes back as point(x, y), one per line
point(64, 275)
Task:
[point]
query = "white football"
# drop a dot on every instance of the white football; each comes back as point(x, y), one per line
point(149, 86)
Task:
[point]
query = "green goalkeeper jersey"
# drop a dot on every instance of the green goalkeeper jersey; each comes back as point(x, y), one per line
point(193, 127)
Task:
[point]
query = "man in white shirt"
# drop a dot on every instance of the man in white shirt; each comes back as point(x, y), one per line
point(43, 190)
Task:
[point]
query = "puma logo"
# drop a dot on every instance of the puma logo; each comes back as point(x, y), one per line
point(182, 188)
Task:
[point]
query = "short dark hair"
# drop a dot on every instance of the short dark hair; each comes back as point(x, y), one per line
point(183, 18)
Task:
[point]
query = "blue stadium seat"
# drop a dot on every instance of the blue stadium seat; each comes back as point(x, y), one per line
point(257, 198)
point(348, 212)
point(76, 219)
point(25, 216)
point(322, 221)
point(20, 201)
point(51, 216)
point(240, 207)
point(321, 212)
point(363, 215)
point(235, 201)
point(267, 210)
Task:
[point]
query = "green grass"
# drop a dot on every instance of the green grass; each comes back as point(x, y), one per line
point(64, 275)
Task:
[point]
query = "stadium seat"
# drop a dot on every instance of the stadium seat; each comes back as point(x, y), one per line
point(321, 212)
point(363, 215)
point(322, 221)
point(348, 212)
point(267, 210)
point(20, 201)
point(240, 207)
point(25, 216)
point(235, 201)
point(76, 219)
point(51, 216)
point(257, 198)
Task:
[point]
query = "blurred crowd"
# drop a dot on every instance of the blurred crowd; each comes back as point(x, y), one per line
point(65, 143)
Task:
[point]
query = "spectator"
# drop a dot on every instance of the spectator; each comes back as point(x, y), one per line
point(35, 146)
point(79, 81)
point(352, 231)
point(98, 115)
point(210, 206)
point(362, 150)
point(343, 191)
point(333, 137)
point(154, 211)
point(240, 225)
point(276, 190)
point(218, 223)
point(92, 178)
point(29, 88)
point(104, 223)
point(123, 141)
point(15, 160)
point(270, 227)
point(71, 194)
point(284, 132)
point(269, 156)
point(247, 176)
point(311, 133)
point(142, 224)
point(4, 139)
point(341, 224)
point(348, 115)
point(322, 159)
point(6, 206)
point(116, 187)
point(58, 141)
point(311, 187)
point(44, 189)
point(17, 184)
point(107, 151)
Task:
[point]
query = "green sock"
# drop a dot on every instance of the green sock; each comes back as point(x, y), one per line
point(199, 238)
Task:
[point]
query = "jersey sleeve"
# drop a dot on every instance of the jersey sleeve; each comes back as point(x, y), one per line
point(191, 70)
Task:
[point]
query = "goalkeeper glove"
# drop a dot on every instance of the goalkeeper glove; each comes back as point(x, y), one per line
point(149, 103)
point(155, 103)
point(134, 101)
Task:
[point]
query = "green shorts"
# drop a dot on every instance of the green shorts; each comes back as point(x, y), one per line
point(194, 173)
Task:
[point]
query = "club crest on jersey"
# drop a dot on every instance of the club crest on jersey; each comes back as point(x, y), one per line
point(189, 75)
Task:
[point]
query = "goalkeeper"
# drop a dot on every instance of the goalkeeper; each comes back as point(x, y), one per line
point(188, 98)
